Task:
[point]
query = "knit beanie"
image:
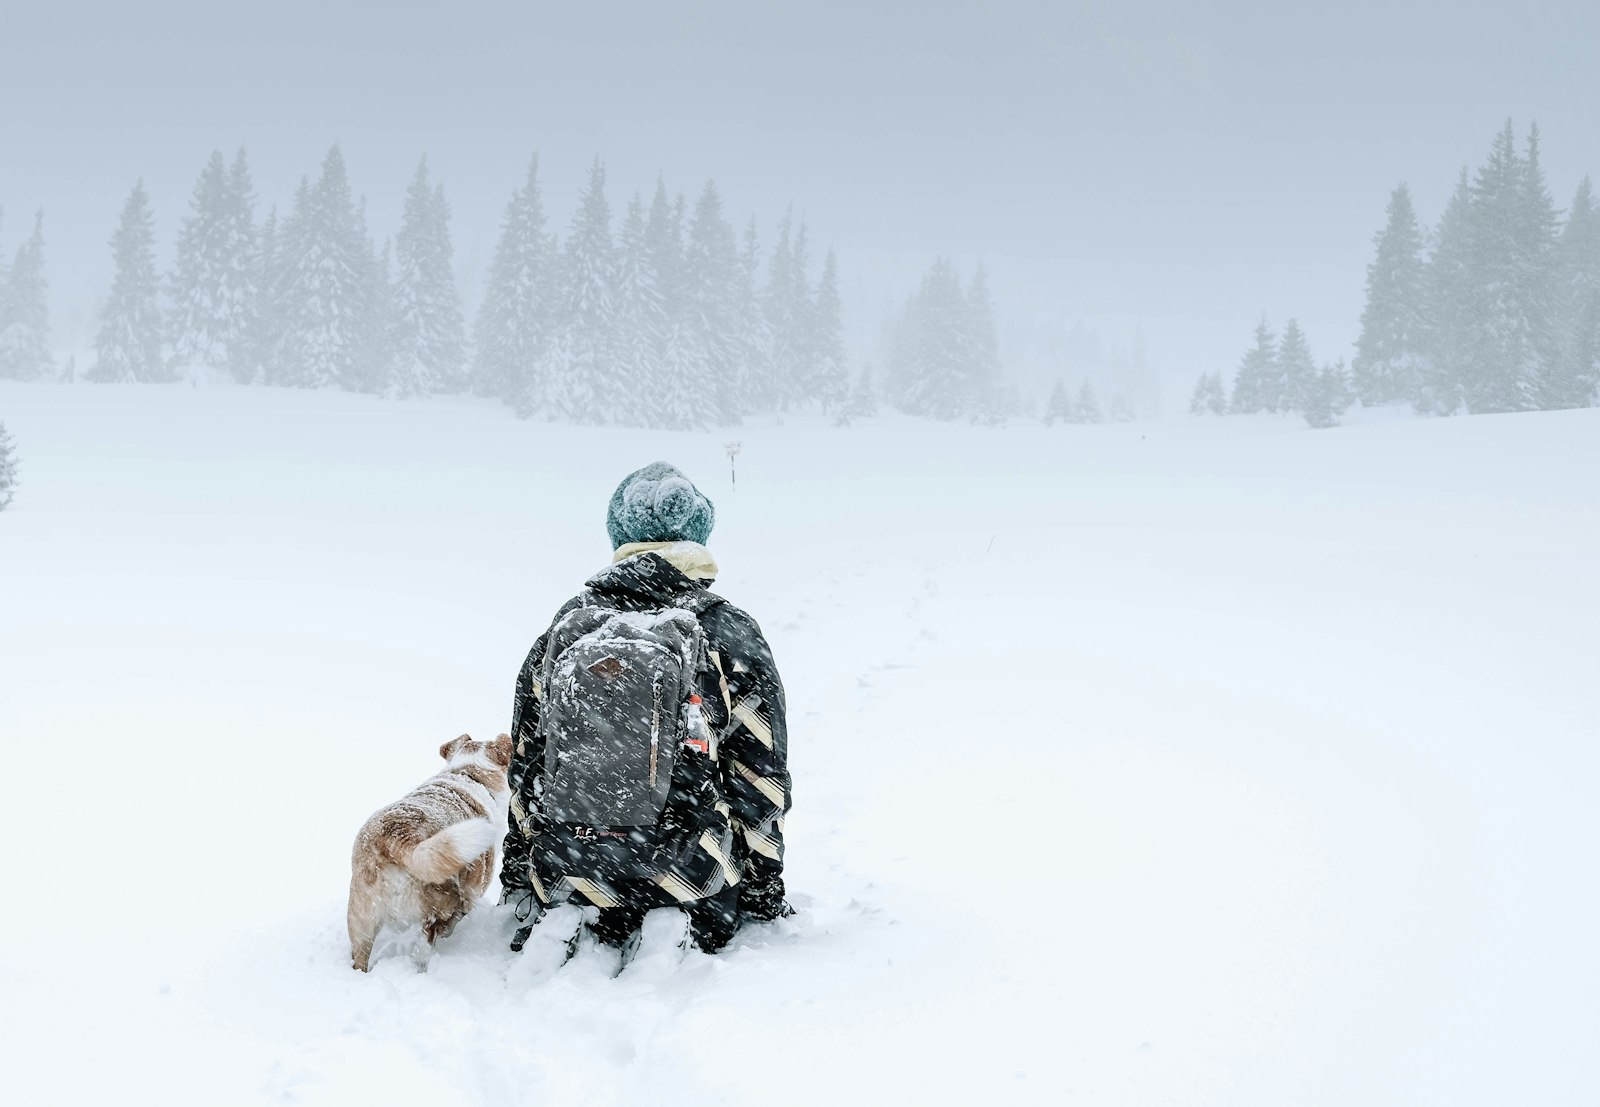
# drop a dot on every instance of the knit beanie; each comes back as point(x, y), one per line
point(658, 504)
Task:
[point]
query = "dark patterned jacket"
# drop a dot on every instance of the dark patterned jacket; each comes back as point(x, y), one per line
point(744, 705)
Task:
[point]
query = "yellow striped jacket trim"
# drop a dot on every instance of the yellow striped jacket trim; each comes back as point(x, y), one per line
point(714, 848)
point(746, 711)
point(676, 887)
point(760, 843)
point(768, 788)
point(593, 891)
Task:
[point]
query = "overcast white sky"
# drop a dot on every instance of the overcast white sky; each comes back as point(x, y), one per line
point(1185, 164)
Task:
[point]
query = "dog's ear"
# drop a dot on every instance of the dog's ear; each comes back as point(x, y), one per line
point(448, 750)
point(500, 751)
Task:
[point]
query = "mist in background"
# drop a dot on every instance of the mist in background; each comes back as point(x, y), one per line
point(1171, 168)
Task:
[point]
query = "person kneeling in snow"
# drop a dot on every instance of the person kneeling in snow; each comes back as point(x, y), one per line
point(651, 751)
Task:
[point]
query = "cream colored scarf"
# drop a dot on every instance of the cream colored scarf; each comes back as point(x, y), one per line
point(690, 558)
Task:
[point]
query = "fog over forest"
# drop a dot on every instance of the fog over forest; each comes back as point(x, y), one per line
point(1161, 172)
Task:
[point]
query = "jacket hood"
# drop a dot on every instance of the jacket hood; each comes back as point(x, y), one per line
point(648, 576)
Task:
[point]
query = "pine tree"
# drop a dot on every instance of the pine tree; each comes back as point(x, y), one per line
point(680, 361)
point(553, 368)
point(128, 346)
point(801, 380)
point(1296, 369)
point(790, 315)
point(284, 243)
point(676, 357)
point(8, 469)
point(773, 393)
point(664, 246)
point(383, 370)
point(195, 277)
point(1328, 396)
point(514, 321)
point(428, 342)
point(1087, 406)
point(372, 366)
point(833, 379)
point(862, 402)
point(1059, 409)
point(1198, 398)
point(4, 278)
point(754, 339)
point(983, 351)
point(1446, 334)
point(241, 297)
point(1538, 269)
point(1391, 338)
point(711, 275)
point(582, 380)
point(1576, 364)
point(942, 354)
point(1216, 396)
point(324, 273)
point(411, 373)
point(928, 347)
point(5, 298)
point(213, 282)
point(266, 330)
point(1257, 386)
point(641, 322)
point(1491, 374)
point(1509, 290)
point(25, 311)
point(447, 338)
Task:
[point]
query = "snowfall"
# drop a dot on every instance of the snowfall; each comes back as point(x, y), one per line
point(1175, 762)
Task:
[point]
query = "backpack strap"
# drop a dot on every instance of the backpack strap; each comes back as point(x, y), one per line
point(698, 602)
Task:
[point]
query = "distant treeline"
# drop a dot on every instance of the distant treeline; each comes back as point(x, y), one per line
point(672, 320)
point(1496, 310)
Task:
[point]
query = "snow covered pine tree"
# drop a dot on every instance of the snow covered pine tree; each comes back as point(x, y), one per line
point(1258, 385)
point(1209, 398)
point(8, 468)
point(862, 403)
point(25, 311)
point(513, 322)
point(128, 347)
point(1086, 409)
point(1385, 366)
point(426, 333)
point(1058, 408)
point(1296, 369)
point(213, 283)
point(1327, 396)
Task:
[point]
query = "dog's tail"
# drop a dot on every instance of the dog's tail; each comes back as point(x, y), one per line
point(435, 860)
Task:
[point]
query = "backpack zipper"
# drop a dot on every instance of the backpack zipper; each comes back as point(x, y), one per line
point(655, 732)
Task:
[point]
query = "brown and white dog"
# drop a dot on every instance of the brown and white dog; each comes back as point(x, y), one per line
point(425, 860)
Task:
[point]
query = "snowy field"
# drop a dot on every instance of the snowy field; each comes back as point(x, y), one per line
point(1191, 763)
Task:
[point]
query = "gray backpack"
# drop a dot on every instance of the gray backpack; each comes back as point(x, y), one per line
point(615, 686)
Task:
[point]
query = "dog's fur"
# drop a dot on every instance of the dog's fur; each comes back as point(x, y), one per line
point(425, 860)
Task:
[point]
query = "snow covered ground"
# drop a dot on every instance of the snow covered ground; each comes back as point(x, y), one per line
point(1192, 763)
